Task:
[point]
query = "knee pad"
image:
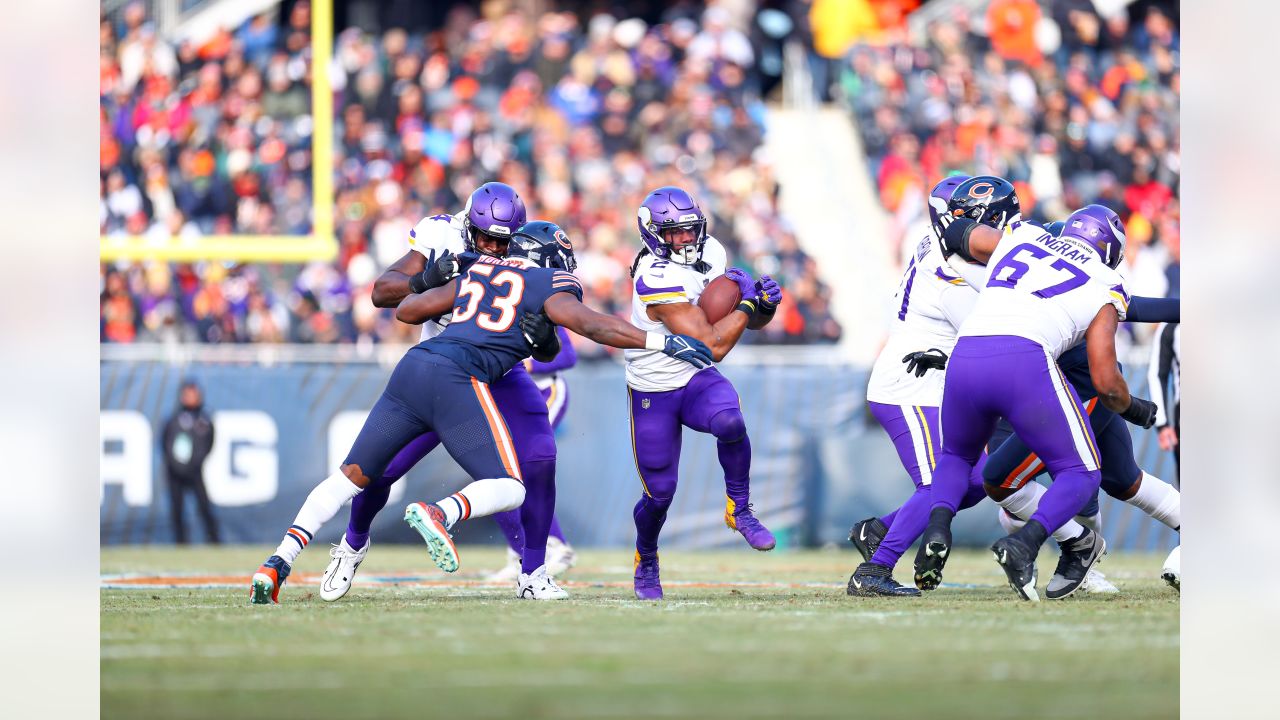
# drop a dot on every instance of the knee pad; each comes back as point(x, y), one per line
point(728, 425)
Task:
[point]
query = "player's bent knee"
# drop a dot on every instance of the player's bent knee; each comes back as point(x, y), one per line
point(356, 475)
point(728, 425)
point(998, 492)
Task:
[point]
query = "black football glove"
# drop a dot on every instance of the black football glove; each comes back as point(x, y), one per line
point(444, 269)
point(1140, 412)
point(924, 361)
point(541, 335)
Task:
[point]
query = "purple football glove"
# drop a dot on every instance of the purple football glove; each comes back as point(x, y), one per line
point(746, 285)
point(769, 292)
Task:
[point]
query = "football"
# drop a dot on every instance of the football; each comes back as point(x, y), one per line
point(719, 299)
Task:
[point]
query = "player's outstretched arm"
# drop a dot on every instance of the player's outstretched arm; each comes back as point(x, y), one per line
point(392, 285)
point(569, 312)
point(1153, 310)
point(688, 319)
point(1104, 370)
point(419, 308)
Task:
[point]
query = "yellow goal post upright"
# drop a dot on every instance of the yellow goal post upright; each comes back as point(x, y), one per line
point(321, 244)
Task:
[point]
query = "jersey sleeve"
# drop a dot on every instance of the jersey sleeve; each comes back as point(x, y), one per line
point(660, 286)
point(562, 281)
point(433, 235)
point(1119, 297)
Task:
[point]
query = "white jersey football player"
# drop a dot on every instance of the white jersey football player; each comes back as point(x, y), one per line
point(669, 275)
point(1044, 295)
point(931, 303)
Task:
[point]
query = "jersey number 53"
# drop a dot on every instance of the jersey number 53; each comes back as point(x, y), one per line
point(471, 293)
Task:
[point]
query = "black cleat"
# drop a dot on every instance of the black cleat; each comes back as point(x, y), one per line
point(1018, 559)
point(867, 536)
point(1077, 557)
point(877, 581)
point(935, 546)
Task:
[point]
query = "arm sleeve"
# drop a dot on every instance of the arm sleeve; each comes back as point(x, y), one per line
point(1158, 370)
point(565, 359)
point(1150, 310)
point(562, 281)
point(1119, 297)
point(974, 274)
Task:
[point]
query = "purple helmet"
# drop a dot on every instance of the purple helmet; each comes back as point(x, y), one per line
point(940, 196)
point(668, 208)
point(493, 209)
point(1100, 228)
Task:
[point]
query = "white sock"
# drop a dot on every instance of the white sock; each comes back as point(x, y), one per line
point(482, 497)
point(1022, 505)
point(322, 504)
point(1160, 500)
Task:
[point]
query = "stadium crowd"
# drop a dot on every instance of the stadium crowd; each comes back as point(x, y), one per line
point(581, 118)
point(1072, 106)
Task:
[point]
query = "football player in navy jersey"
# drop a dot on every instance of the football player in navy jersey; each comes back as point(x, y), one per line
point(442, 385)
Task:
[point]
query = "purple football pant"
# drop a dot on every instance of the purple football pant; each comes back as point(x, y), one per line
point(525, 413)
point(914, 432)
point(556, 398)
point(1015, 378)
point(708, 404)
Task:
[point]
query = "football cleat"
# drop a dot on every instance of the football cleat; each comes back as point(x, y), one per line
point(745, 522)
point(538, 585)
point(870, 580)
point(265, 587)
point(428, 520)
point(560, 556)
point(1078, 556)
point(1019, 563)
point(341, 571)
point(1095, 583)
point(509, 572)
point(648, 585)
point(1171, 573)
point(935, 546)
point(867, 536)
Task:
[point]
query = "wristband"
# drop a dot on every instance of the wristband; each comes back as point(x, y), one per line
point(747, 306)
point(654, 341)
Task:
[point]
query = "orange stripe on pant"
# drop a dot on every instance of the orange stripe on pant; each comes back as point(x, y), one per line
point(1010, 481)
point(498, 426)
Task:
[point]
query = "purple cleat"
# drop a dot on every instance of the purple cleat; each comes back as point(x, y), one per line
point(647, 583)
point(742, 520)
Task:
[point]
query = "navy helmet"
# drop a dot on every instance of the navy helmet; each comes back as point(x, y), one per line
point(545, 244)
point(987, 200)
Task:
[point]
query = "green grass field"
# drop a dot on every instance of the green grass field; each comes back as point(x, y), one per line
point(740, 635)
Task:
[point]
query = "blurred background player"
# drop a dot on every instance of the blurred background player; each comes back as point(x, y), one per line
point(442, 384)
point(1164, 375)
point(1043, 295)
point(678, 261)
point(548, 376)
point(188, 440)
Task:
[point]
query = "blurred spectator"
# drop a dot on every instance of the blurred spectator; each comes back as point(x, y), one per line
point(583, 120)
point(1073, 108)
point(188, 440)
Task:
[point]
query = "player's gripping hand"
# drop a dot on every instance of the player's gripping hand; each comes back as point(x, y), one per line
point(540, 333)
point(445, 268)
point(746, 286)
point(924, 361)
point(1140, 412)
point(770, 294)
point(688, 349)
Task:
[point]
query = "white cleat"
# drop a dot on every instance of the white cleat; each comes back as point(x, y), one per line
point(560, 557)
point(1171, 573)
point(1095, 583)
point(342, 569)
point(538, 585)
point(509, 572)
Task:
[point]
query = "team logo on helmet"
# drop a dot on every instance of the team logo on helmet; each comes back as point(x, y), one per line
point(563, 240)
point(981, 190)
